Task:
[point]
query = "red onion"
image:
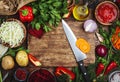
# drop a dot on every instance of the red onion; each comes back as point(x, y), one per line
point(101, 50)
point(90, 25)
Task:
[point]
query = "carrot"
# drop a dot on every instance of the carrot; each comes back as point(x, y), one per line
point(117, 29)
point(83, 45)
point(116, 38)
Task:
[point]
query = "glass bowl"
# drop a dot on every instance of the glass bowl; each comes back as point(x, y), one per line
point(41, 75)
point(20, 74)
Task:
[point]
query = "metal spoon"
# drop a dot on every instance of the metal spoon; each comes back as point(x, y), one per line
point(6, 75)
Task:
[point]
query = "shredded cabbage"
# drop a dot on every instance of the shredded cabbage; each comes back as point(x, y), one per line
point(11, 32)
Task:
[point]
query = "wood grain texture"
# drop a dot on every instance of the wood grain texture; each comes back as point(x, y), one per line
point(54, 50)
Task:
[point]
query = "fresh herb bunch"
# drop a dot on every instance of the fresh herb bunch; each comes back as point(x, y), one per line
point(48, 13)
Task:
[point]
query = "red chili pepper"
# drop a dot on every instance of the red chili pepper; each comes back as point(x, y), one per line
point(100, 68)
point(34, 60)
point(110, 67)
point(26, 14)
point(60, 70)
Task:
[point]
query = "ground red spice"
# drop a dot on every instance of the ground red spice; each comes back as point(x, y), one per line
point(21, 74)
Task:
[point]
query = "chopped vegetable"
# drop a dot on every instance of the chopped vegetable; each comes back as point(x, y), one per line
point(11, 33)
point(99, 69)
point(34, 60)
point(116, 38)
point(36, 33)
point(110, 67)
point(26, 14)
point(83, 45)
point(62, 70)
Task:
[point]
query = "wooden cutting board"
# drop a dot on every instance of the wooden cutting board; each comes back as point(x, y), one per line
point(54, 50)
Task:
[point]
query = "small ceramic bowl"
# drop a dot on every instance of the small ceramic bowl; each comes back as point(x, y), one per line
point(106, 12)
point(41, 75)
point(20, 75)
point(114, 76)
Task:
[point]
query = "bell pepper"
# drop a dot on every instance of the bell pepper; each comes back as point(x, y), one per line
point(110, 67)
point(99, 69)
point(34, 60)
point(62, 70)
point(26, 14)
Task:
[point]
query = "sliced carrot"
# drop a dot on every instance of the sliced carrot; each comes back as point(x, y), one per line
point(83, 45)
point(116, 38)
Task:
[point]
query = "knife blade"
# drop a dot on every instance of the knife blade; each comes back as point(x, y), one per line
point(79, 55)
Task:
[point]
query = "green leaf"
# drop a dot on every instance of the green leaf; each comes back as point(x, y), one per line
point(57, 4)
point(0, 76)
point(48, 12)
point(34, 11)
point(37, 26)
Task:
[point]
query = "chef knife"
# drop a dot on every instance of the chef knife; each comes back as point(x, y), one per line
point(79, 55)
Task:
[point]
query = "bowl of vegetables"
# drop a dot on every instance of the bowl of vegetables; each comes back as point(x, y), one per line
point(115, 39)
point(106, 12)
point(12, 33)
point(41, 75)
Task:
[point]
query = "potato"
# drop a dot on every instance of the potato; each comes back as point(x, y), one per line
point(7, 62)
point(22, 58)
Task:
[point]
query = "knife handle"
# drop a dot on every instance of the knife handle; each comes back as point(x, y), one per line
point(84, 71)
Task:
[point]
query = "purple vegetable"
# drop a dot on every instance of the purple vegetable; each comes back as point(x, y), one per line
point(90, 25)
point(101, 50)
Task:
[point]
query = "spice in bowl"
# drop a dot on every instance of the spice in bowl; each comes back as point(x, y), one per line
point(20, 74)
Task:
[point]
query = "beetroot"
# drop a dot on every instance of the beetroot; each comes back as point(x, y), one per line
point(41, 75)
point(36, 33)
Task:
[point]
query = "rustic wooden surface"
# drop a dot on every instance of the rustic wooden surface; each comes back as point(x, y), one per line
point(54, 50)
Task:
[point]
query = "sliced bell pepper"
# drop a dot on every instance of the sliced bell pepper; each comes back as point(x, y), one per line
point(34, 60)
point(62, 70)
